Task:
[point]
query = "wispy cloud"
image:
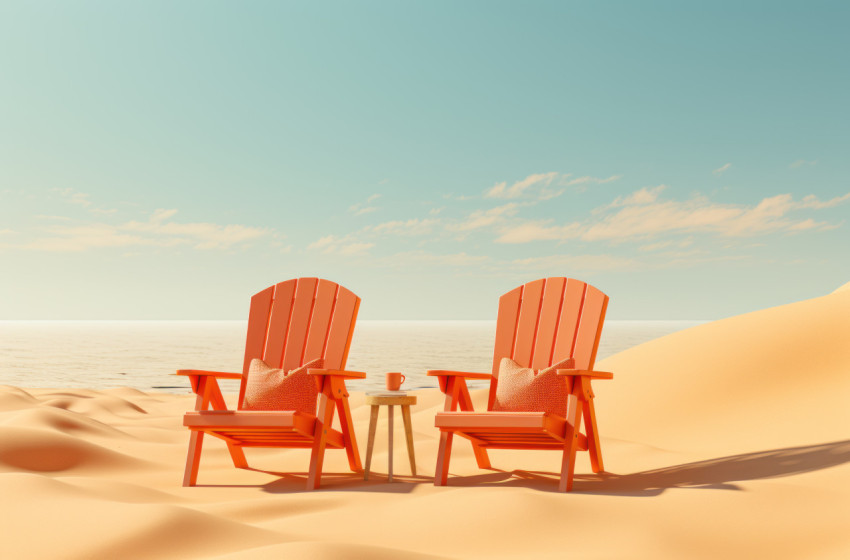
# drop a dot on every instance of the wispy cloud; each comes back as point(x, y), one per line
point(803, 163)
point(811, 201)
point(681, 244)
point(345, 246)
point(361, 208)
point(484, 218)
point(581, 263)
point(81, 199)
point(158, 231)
point(722, 169)
point(642, 216)
point(73, 197)
point(414, 226)
point(502, 190)
point(82, 238)
point(645, 195)
point(201, 235)
point(588, 180)
point(53, 218)
point(538, 231)
point(807, 224)
point(695, 215)
point(593, 263)
point(462, 259)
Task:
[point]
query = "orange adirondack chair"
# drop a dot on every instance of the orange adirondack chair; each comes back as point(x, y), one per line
point(539, 324)
point(289, 325)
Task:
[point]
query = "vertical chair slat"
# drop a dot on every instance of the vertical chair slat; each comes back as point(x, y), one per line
point(255, 340)
point(590, 328)
point(319, 324)
point(570, 313)
point(547, 325)
point(299, 322)
point(506, 325)
point(279, 323)
point(258, 322)
point(340, 333)
point(529, 312)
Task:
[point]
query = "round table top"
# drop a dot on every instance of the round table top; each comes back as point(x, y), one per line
point(390, 398)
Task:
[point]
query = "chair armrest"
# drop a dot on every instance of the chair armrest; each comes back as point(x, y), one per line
point(587, 373)
point(340, 373)
point(453, 385)
point(221, 374)
point(205, 385)
point(451, 373)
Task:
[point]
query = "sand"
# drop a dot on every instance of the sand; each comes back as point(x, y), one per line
point(730, 439)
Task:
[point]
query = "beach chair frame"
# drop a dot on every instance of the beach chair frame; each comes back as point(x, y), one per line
point(289, 324)
point(539, 324)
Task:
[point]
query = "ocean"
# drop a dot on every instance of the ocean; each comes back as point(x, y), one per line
point(144, 354)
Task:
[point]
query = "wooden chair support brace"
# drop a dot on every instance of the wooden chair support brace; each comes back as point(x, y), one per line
point(208, 394)
point(457, 397)
point(568, 460)
point(324, 420)
point(346, 423)
point(581, 388)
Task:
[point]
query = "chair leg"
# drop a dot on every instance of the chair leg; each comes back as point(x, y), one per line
point(465, 403)
point(238, 456)
point(593, 446)
point(347, 426)
point(481, 456)
point(193, 460)
point(441, 476)
point(324, 420)
point(568, 461)
point(314, 478)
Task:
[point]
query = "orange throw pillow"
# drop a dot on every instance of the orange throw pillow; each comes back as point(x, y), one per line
point(522, 389)
point(268, 388)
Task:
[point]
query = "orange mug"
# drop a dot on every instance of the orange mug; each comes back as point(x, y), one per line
point(394, 381)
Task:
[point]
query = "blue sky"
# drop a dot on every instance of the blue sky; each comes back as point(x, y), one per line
point(166, 160)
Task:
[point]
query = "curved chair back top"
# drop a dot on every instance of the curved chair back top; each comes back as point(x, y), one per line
point(546, 321)
point(297, 321)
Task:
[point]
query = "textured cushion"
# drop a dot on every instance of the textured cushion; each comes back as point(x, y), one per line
point(522, 389)
point(273, 389)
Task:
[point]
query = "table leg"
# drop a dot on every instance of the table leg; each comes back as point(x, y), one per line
point(408, 432)
point(390, 446)
point(373, 424)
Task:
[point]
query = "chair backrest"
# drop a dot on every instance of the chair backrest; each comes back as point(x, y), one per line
point(546, 321)
point(297, 321)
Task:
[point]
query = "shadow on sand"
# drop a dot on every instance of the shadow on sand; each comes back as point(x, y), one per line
point(296, 482)
point(721, 473)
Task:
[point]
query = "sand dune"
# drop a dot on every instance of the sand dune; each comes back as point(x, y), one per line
point(729, 439)
point(843, 287)
point(775, 377)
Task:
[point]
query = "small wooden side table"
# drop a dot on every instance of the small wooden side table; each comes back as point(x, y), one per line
point(390, 400)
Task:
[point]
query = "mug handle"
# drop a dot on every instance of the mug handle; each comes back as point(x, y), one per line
point(402, 379)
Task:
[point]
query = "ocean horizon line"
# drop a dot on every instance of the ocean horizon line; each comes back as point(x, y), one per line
point(359, 321)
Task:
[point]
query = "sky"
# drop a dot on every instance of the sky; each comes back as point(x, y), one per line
point(166, 160)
